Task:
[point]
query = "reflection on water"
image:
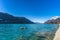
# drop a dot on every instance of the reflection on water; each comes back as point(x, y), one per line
point(27, 31)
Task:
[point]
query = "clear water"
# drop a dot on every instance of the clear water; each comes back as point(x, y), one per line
point(19, 31)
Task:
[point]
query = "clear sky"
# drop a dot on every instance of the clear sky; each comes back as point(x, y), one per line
point(35, 10)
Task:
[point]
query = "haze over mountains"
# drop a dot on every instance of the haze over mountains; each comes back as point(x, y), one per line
point(7, 18)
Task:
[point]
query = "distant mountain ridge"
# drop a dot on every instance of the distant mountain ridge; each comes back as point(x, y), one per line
point(7, 18)
point(54, 20)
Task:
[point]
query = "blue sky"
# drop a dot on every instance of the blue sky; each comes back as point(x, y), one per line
point(35, 10)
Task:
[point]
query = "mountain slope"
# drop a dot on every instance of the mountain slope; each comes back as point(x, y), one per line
point(7, 18)
point(54, 20)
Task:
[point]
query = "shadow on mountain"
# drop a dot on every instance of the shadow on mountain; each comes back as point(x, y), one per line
point(6, 18)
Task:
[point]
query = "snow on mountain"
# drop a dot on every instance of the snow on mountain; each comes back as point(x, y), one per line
point(55, 17)
point(54, 20)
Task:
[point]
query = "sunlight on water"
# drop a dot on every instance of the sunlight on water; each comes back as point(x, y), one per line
point(27, 31)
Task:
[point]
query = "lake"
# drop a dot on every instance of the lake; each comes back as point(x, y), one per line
point(26, 31)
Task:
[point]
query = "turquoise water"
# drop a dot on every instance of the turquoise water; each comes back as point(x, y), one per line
point(19, 31)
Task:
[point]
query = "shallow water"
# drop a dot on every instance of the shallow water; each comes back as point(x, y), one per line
point(19, 31)
point(57, 34)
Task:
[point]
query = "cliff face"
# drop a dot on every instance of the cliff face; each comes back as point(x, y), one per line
point(7, 18)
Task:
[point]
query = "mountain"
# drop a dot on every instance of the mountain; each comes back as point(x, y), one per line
point(7, 18)
point(54, 20)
